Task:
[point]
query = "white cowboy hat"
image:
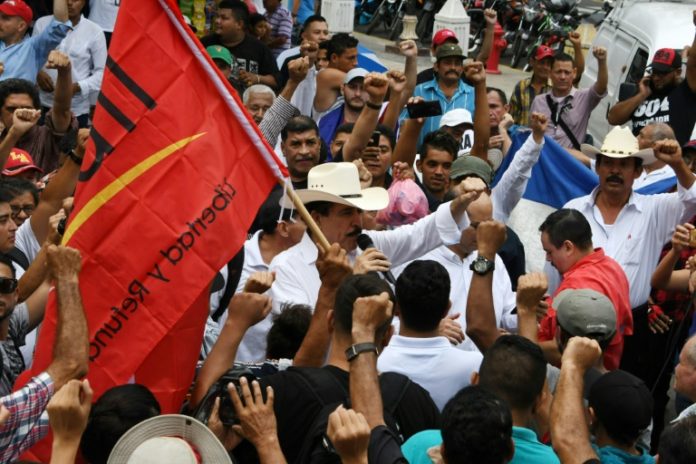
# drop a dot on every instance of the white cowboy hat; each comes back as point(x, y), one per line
point(620, 143)
point(168, 439)
point(339, 183)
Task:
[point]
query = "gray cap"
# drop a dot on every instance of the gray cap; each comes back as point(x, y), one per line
point(468, 165)
point(585, 313)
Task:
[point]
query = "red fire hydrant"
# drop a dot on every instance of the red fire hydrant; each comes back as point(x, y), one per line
point(499, 45)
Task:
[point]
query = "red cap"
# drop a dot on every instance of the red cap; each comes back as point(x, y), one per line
point(443, 35)
point(666, 60)
point(543, 51)
point(18, 162)
point(17, 8)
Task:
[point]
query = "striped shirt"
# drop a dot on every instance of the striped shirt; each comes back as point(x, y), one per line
point(27, 423)
point(521, 100)
point(280, 22)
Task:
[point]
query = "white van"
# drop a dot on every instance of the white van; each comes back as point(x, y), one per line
point(632, 32)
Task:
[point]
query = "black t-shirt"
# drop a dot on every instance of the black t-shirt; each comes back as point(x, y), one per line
point(384, 447)
point(677, 107)
point(250, 54)
point(296, 407)
point(284, 73)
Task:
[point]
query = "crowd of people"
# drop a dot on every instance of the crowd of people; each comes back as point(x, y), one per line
point(394, 317)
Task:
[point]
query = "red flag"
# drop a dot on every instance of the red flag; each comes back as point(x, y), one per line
point(174, 173)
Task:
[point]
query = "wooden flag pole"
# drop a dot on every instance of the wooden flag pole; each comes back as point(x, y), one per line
point(317, 234)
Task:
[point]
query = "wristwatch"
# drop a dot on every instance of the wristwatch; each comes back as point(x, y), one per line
point(355, 350)
point(482, 266)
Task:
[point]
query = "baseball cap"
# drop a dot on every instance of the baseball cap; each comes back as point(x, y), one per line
point(443, 35)
point(666, 60)
point(585, 313)
point(690, 145)
point(172, 438)
point(18, 162)
point(543, 51)
point(449, 49)
point(220, 53)
point(622, 403)
point(456, 117)
point(354, 74)
point(17, 8)
point(465, 166)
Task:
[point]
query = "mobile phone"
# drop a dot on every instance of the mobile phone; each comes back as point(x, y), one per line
point(374, 141)
point(425, 109)
point(692, 239)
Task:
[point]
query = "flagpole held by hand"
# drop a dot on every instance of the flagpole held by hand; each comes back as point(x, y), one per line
point(317, 234)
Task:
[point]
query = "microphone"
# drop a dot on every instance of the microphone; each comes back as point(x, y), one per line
point(365, 242)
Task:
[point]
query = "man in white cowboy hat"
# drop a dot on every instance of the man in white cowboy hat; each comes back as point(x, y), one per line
point(630, 227)
point(335, 201)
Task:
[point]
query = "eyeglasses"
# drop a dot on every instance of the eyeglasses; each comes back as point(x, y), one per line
point(7, 285)
point(16, 209)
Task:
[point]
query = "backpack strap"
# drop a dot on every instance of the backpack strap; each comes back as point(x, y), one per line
point(234, 272)
point(396, 383)
point(18, 256)
point(557, 118)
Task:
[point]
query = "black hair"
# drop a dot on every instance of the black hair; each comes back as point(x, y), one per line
point(17, 186)
point(678, 442)
point(256, 18)
point(287, 332)
point(568, 224)
point(352, 288)
point(312, 19)
point(339, 43)
point(637, 162)
point(563, 57)
point(514, 369)
point(323, 208)
point(325, 46)
point(298, 124)
point(388, 132)
point(269, 212)
point(422, 292)
point(7, 261)
point(501, 94)
point(114, 413)
point(6, 195)
point(439, 140)
point(239, 9)
point(345, 128)
point(476, 427)
point(19, 86)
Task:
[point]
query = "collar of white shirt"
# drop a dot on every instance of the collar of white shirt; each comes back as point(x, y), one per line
point(634, 201)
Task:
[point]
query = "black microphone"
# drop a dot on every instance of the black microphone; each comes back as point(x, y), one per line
point(365, 242)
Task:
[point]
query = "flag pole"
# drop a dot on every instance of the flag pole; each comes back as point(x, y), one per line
point(317, 234)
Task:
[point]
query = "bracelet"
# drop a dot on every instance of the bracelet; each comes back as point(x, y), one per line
point(355, 350)
point(73, 156)
point(374, 106)
point(258, 79)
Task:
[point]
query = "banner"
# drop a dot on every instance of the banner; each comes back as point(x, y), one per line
point(173, 176)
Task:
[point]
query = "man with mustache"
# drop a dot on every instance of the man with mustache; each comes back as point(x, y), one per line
point(447, 87)
point(632, 228)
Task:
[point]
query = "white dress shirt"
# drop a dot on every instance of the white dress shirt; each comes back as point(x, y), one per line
point(509, 190)
point(640, 231)
point(504, 299)
point(303, 98)
point(648, 178)
point(432, 363)
point(104, 12)
point(86, 46)
point(297, 279)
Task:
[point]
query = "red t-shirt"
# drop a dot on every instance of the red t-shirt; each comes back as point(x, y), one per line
point(602, 274)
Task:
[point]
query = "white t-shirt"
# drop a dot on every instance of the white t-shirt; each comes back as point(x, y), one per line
point(104, 12)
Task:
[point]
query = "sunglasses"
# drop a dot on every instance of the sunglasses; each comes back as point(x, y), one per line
point(7, 285)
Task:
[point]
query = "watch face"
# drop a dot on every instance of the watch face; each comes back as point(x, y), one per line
point(480, 265)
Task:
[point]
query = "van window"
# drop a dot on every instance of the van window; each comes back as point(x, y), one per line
point(637, 69)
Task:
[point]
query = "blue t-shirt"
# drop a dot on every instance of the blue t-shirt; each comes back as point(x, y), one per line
point(611, 455)
point(305, 11)
point(529, 449)
point(415, 449)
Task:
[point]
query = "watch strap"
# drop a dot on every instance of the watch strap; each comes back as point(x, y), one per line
point(355, 350)
point(374, 106)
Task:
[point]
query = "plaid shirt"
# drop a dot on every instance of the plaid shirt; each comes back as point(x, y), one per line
point(521, 100)
point(27, 423)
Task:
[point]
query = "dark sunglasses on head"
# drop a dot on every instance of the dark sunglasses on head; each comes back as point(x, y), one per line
point(7, 285)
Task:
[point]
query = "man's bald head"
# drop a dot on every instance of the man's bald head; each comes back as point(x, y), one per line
point(654, 132)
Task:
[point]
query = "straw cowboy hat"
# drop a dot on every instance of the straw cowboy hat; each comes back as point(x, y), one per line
point(171, 439)
point(339, 183)
point(620, 143)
